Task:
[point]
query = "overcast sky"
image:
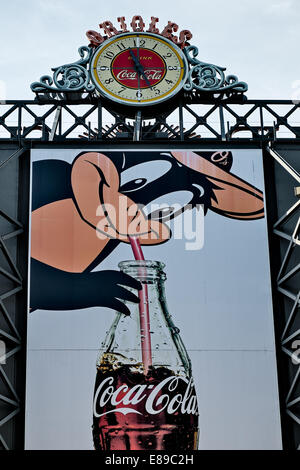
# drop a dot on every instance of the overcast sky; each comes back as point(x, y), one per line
point(256, 40)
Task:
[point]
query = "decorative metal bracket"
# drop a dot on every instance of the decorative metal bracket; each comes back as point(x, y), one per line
point(210, 78)
point(75, 77)
point(68, 78)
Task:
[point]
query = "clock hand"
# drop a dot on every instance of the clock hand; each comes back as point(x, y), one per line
point(135, 60)
point(145, 77)
point(139, 67)
point(141, 70)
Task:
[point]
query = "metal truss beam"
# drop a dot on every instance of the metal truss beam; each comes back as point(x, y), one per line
point(286, 230)
point(225, 120)
point(12, 312)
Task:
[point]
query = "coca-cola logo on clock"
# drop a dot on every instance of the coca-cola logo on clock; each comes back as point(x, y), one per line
point(124, 71)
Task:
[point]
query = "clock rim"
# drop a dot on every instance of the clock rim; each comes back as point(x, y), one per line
point(139, 104)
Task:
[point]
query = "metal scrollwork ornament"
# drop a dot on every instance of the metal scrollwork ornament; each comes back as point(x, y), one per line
point(69, 77)
point(205, 77)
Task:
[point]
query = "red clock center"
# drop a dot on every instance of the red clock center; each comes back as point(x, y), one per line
point(124, 70)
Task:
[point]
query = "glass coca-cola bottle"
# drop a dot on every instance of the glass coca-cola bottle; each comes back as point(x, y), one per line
point(144, 393)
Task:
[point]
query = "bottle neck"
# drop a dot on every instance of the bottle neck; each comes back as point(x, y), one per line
point(125, 338)
point(147, 272)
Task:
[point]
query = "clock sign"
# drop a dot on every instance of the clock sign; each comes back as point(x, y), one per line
point(138, 69)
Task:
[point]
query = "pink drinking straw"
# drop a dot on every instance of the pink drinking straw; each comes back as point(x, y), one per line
point(143, 309)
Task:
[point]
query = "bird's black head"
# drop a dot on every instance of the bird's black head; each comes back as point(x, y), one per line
point(156, 178)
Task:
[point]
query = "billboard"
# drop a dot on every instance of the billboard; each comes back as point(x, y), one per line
point(150, 311)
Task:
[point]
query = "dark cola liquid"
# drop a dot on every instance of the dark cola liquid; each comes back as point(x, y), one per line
point(134, 427)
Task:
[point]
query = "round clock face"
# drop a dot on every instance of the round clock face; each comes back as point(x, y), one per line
point(138, 69)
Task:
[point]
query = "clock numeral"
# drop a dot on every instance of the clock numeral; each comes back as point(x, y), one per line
point(109, 55)
point(172, 67)
point(139, 94)
point(157, 90)
point(141, 43)
point(169, 81)
point(154, 46)
point(121, 46)
point(167, 55)
point(122, 89)
point(109, 80)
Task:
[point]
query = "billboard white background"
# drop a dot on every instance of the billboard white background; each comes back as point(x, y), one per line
point(219, 297)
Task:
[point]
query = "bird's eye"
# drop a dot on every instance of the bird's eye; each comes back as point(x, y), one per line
point(137, 176)
point(133, 185)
